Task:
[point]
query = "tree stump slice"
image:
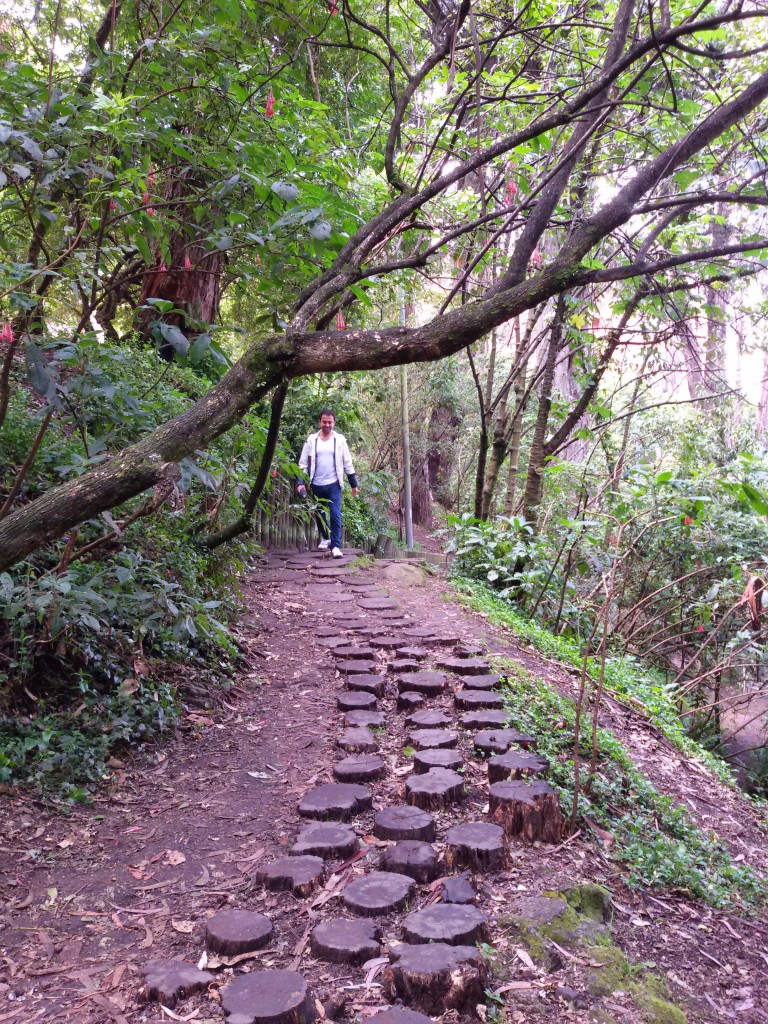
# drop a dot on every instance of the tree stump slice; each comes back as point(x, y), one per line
point(332, 572)
point(168, 981)
point(391, 616)
point(414, 653)
point(465, 650)
point(499, 741)
point(451, 923)
point(378, 893)
point(484, 719)
point(342, 941)
point(370, 631)
point(436, 977)
point(426, 760)
point(302, 875)
point(430, 683)
point(335, 596)
point(359, 768)
point(358, 740)
point(371, 719)
point(516, 764)
point(476, 845)
point(403, 822)
point(353, 667)
point(332, 642)
point(356, 701)
point(465, 666)
point(489, 682)
point(421, 633)
point(396, 1015)
point(527, 810)
point(435, 789)
point(350, 651)
point(472, 700)
point(355, 624)
point(269, 997)
point(387, 643)
point(431, 739)
point(326, 841)
point(367, 683)
point(232, 932)
point(338, 801)
point(428, 720)
point(404, 665)
point(327, 631)
point(408, 701)
point(411, 857)
point(377, 604)
point(457, 889)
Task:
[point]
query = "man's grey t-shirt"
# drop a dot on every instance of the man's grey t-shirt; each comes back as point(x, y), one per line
point(325, 469)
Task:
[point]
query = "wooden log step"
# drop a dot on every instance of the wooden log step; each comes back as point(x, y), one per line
point(232, 932)
point(338, 801)
point(269, 997)
point(398, 1015)
point(322, 839)
point(420, 632)
point(464, 650)
point(464, 666)
point(326, 631)
point(435, 977)
point(359, 768)
point(404, 665)
point(378, 893)
point(430, 683)
point(527, 810)
point(371, 719)
point(516, 764)
point(411, 857)
point(356, 701)
point(367, 683)
point(489, 682)
point(354, 623)
point(302, 875)
point(431, 739)
point(446, 922)
point(392, 616)
point(476, 845)
point(435, 789)
point(484, 719)
point(426, 760)
point(428, 720)
point(332, 642)
point(457, 889)
point(356, 653)
point(387, 643)
point(414, 653)
point(334, 595)
point(377, 604)
point(342, 941)
point(357, 740)
point(471, 700)
point(332, 572)
point(168, 981)
point(499, 741)
point(409, 701)
point(403, 822)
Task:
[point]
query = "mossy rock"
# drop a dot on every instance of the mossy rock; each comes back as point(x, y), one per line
point(612, 976)
point(538, 919)
point(590, 900)
point(652, 1000)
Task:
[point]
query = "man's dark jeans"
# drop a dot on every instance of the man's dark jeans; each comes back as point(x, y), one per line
point(329, 496)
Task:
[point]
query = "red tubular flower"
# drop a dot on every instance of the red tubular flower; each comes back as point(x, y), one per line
point(163, 269)
point(333, 8)
point(151, 178)
point(688, 521)
point(340, 323)
point(511, 193)
point(112, 205)
point(6, 333)
point(145, 199)
point(536, 258)
point(150, 211)
point(187, 263)
point(269, 110)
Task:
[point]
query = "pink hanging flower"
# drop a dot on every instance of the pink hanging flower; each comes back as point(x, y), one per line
point(112, 205)
point(340, 322)
point(150, 211)
point(187, 262)
point(269, 110)
point(258, 260)
point(162, 269)
point(151, 177)
point(536, 258)
point(6, 333)
point(145, 199)
point(333, 8)
point(511, 193)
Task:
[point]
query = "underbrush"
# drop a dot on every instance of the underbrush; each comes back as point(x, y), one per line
point(641, 828)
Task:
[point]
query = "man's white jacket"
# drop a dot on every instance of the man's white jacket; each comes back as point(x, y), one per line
point(341, 458)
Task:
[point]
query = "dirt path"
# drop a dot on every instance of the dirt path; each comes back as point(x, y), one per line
point(90, 898)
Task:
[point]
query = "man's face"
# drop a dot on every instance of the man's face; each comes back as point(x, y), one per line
point(326, 425)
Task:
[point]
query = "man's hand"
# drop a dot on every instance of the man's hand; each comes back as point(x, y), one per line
point(354, 492)
point(301, 490)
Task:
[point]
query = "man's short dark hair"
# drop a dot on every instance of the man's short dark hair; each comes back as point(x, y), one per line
point(326, 412)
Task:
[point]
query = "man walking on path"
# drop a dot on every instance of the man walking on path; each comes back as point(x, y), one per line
point(325, 459)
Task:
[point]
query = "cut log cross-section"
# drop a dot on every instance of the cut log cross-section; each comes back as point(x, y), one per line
point(269, 997)
point(232, 932)
point(516, 764)
point(527, 810)
point(476, 845)
point(435, 789)
point(436, 977)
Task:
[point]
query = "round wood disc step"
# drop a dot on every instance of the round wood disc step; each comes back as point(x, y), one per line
point(334, 595)
point(426, 760)
point(472, 700)
point(367, 683)
point(357, 653)
point(415, 653)
point(488, 682)
point(391, 616)
point(335, 572)
point(331, 842)
point(332, 642)
point(476, 845)
point(338, 801)
point(269, 997)
point(232, 932)
point(342, 941)
point(465, 650)
point(387, 643)
point(430, 683)
point(354, 623)
point(377, 604)
point(403, 822)
point(446, 922)
point(527, 810)
point(435, 789)
point(516, 764)
point(457, 889)
point(167, 981)
point(465, 666)
point(358, 740)
point(430, 739)
point(397, 1015)
point(404, 665)
point(498, 741)
point(359, 768)
point(353, 667)
point(302, 875)
point(327, 631)
point(371, 719)
point(408, 701)
point(484, 719)
point(428, 720)
point(436, 977)
point(377, 893)
point(356, 701)
point(413, 858)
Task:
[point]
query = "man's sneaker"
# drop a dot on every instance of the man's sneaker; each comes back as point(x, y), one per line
point(324, 545)
point(337, 553)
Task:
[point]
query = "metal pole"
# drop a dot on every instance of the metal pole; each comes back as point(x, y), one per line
point(406, 440)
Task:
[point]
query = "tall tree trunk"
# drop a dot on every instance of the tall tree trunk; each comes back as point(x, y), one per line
point(443, 453)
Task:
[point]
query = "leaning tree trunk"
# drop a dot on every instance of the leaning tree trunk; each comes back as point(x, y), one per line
point(443, 453)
